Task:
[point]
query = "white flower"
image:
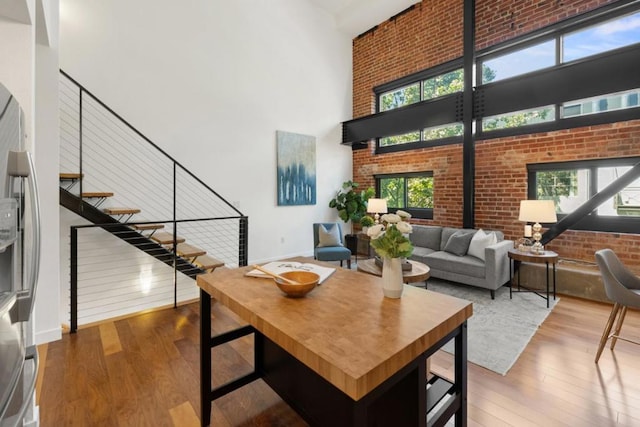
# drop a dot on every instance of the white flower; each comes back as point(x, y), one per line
point(404, 227)
point(403, 215)
point(375, 231)
point(390, 218)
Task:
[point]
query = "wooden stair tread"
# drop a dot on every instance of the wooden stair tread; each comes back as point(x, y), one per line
point(207, 262)
point(165, 238)
point(92, 194)
point(188, 251)
point(70, 175)
point(121, 211)
point(147, 226)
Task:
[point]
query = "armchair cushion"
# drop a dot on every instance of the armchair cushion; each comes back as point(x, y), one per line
point(330, 237)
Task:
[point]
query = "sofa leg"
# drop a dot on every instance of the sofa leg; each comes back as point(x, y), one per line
point(493, 294)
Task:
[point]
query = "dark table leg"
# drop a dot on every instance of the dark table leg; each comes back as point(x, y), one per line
point(205, 358)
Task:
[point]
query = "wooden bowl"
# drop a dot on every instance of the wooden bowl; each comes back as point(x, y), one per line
point(306, 279)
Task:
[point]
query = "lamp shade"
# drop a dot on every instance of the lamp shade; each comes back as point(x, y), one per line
point(537, 211)
point(377, 206)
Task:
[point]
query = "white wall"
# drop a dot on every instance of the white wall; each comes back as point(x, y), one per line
point(211, 82)
point(29, 71)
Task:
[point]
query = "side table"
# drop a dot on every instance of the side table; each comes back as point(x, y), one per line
point(547, 257)
point(419, 272)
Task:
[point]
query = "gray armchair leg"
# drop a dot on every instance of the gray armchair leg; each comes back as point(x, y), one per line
point(348, 264)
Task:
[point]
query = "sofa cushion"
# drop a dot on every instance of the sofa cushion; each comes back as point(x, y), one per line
point(479, 243)
point(330, 237)
point(465, 265)
point(426, 236)
point(420, 251)
point(458, 243)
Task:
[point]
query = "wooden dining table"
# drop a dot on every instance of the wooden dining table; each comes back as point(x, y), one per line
point(343, 355)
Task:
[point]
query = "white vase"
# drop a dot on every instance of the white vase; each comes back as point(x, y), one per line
point(392, 285)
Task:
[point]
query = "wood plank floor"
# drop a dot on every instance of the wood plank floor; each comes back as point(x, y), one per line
point(143, 371)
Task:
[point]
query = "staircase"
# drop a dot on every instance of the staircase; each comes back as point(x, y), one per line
point(125, 185)
point(190, 260)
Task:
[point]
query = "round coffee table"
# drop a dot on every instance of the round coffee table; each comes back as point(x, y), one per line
point(419, 272)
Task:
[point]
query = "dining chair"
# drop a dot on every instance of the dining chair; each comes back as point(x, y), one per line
point(623, 289)
point(328, 243)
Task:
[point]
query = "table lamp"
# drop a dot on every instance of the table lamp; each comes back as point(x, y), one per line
point(536, 211)
point(377, 206)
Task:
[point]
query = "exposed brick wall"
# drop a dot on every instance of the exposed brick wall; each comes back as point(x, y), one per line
point(501, 20)
point(431, 34)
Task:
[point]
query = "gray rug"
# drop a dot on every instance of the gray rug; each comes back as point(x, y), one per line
point(499, 329)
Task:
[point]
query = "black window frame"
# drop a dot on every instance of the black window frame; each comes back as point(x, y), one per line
point(434, 112)
point(592, 221)
point(432, 103)
point(419, 213)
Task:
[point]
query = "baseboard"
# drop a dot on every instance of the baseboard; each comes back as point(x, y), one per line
point(50, 335)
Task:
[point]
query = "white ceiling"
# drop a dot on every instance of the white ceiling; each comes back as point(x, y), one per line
point(354, 17)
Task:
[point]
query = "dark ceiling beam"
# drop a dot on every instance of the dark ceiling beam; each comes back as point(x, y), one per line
point(411, 118)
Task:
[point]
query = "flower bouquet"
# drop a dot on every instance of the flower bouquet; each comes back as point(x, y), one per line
point(389, 238)
point(391, 243)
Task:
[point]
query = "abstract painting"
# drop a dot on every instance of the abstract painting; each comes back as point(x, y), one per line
point(296, 169)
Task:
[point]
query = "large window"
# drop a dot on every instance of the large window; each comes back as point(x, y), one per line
point(571, 184)
point(422, 90)
point(411, 192)
point(559, 48)
point(609, 35)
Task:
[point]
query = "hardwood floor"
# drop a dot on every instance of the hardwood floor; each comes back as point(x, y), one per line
point(143, 371)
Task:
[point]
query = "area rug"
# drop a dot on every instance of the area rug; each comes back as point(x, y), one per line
point(499, 329)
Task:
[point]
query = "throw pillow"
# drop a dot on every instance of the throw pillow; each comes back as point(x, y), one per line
point(330, 237)
point(458, 243)
point(479, 242)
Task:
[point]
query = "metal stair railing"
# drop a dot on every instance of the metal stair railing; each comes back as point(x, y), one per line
point(110, 155)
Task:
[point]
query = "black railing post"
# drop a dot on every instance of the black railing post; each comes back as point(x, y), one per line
point(243, 241)
point(80, 146)
point(175, 242)
point(74, 280)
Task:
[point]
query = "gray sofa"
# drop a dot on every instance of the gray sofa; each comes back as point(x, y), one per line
point(430, 243)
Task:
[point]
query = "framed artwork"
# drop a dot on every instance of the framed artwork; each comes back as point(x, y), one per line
point(296, 169)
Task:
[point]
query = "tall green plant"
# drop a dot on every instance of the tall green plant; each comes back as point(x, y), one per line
point(351, 204)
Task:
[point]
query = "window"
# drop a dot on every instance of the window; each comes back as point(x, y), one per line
point(609, 35)
point(571, 184)
point(411, 192)
point(519, 118)
point(561, 46)
point(519, 62)
point(422, 90)
point(399, 97)
point(599, 104)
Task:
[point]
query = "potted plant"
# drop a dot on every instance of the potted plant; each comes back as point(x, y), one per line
point(351, 206)
point(366, 222)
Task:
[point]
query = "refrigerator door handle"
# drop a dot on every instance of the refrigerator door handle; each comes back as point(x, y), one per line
point(21, 164)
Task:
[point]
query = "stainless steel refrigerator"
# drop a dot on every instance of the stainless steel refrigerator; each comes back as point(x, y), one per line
point(19, 265)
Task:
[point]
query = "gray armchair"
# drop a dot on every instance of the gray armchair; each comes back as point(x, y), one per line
point(331, 251)
point(623, 288)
